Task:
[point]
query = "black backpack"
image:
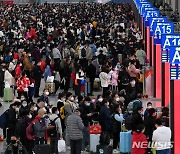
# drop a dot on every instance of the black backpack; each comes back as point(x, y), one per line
point(83, 53)
point(21, 127)
point(128, 122)
point(53, 131)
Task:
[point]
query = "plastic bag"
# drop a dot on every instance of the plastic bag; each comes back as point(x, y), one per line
point(61, 145)
point(50, 79)
point(82, 82)
point(7, 85)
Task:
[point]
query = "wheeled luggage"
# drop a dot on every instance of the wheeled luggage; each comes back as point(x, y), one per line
point(8, 95)
point(50, 86)
point(95, 131)
point(107, 149)
point(42, 149)
point(125, 142)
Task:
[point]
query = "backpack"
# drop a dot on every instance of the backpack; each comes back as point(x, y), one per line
point(30, 132)
point(83, 53)
point(128, 122)
point(132, 106)
point(4, 119)
point(53, 132)
point(21, 127)
point(62, 112)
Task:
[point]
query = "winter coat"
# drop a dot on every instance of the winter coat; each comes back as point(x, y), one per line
point(136, 120)
point(47, 72)
point(57, 122)
point(136, 139)
point(104, 79)
point(133, 72)
point(40, 127)
point(27, 64)
point(74, 127)
point(105, 119)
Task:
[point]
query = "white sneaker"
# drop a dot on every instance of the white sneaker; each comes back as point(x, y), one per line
point(115, 151)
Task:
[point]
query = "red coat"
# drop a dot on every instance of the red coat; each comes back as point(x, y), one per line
point(139, 139)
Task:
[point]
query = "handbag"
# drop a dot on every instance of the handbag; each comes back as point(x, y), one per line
point(61, 145)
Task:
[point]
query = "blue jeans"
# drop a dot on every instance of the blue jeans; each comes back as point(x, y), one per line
point(166, 151)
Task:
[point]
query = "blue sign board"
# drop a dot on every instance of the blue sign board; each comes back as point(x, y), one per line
point(159, 28)
point(151, 20)
point(144, 9)
point(174, 55)
point(143, 5)
point(167, 41)
point(148, 14)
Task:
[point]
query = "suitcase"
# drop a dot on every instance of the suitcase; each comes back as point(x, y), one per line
point(125, 142)
point(8, 95)
point(94, 141)
point(100, 149)
point(50, 87)
point(42, 149)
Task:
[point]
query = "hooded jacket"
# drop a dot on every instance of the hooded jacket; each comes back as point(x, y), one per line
point(139, 139)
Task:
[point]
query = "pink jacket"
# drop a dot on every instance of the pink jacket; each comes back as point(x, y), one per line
point(114, 78)
point(133, 72)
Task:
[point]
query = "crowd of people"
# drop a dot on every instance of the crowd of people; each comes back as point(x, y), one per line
point(80, 45)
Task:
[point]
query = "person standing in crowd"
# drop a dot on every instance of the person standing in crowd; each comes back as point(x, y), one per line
point(137, 118)
point(117, 119)
point(1, 81)
point(162, 138)
point(91, 74)
point(37, 74)
point(44, 97)
point(22, 86)
point(12, 120)
point(56, 56)
point(58, 128)
point(67, 75)
point(86, 115)
point(149, 106)
point(131, 90)
point(105, 117)
point(133, 72)
point(15, 146)
point(105, 80)
point(74, 129)
point(138, 137)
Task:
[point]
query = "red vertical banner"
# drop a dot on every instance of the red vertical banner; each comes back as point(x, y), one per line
point(174, 115)
point(147, 42)
point(151, 51)
point(165, 84)
point(157, 71)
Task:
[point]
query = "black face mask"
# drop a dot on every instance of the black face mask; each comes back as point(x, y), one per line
point(13, 141)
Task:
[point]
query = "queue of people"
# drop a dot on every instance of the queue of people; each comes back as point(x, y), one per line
point(75, 45)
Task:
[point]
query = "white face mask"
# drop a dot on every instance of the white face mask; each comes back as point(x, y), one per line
point(107, 103)
point(117, 99)
point(133, 82)
point(30, 116)
point(100, 99)
point(72, 98)
point(35, 108)
point(17, 109)
point(76, 100)
point(93, 100)
point(24, 105)
point(149, 107)
point(47, 93)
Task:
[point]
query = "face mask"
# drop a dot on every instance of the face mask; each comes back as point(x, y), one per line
point(47, 93)
point(93, 100)
point(35, 108)
point(133, 82)
point(64, 100)
point(57, 112)
point(22, 98)
point(100, 99)
point(17, 109)
point(117, 99)
point(24, 105)
point(72, 98)
point(76, 101)
point(149, 107)
point(45, 104)
point(30, 116)
point(88, 104)
point(107, 103)
point(13, 141)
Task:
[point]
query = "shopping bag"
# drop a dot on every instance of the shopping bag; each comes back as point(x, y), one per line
point(61, 146)
point(50, 79)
